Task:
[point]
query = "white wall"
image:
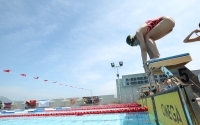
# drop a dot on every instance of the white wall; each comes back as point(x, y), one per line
point(65, 102)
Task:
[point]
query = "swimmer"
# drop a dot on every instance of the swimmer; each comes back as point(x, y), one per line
point(147, 34)
point(195, 39)
point(168, 83)
point(156, 89)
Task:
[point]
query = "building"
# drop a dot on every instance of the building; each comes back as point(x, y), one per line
point(127, 89)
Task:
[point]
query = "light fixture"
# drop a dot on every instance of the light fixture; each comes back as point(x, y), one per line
point(120, 63)
point(112, 64)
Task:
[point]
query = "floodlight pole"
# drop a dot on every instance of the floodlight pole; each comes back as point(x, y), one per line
point(119, 86)
point(118, 82)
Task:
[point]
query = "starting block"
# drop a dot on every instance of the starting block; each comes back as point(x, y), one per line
point(169, 62)
point(164, 65)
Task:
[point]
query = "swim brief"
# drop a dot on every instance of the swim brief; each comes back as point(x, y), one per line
point(152, 23)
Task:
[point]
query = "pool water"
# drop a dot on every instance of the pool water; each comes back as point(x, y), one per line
point(100, 119)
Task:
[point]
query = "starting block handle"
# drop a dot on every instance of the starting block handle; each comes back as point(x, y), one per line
point(174, 79)
point(152, 81)
point(166, 72)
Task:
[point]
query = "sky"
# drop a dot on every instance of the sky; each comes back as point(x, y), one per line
point(73, 43)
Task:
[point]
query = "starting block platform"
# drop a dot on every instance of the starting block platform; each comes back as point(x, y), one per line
point(164, 65)
point(171, 62)
point(174, 68)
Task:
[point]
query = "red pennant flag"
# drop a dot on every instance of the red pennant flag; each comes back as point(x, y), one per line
point(55, 82)
point(35, 77)
point(7, 70)
point(45, 80)
point(23, 75)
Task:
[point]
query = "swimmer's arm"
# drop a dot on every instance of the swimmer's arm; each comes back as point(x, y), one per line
point(188, 40)
point(158, 88)
point(192, 40)
point(142, 46)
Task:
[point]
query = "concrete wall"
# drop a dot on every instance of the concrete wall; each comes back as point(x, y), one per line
point(128, 93)
point(65, 102)
point(127, 87)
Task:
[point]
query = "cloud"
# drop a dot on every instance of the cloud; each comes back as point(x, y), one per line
point(74, 41)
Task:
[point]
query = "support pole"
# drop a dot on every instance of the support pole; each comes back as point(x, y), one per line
point(118, 82)
point(92, 97)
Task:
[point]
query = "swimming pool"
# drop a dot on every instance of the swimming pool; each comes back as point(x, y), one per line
point(135, 118)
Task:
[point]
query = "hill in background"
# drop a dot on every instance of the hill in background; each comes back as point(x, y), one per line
point(4, 99)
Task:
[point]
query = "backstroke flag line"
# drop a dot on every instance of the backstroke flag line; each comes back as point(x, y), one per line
point(37, 78)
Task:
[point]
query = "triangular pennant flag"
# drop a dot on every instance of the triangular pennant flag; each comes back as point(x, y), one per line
point(23, 75)
point(35, 77)
point(7, 70)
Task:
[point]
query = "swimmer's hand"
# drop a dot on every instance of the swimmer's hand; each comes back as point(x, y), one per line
point(196, 31)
